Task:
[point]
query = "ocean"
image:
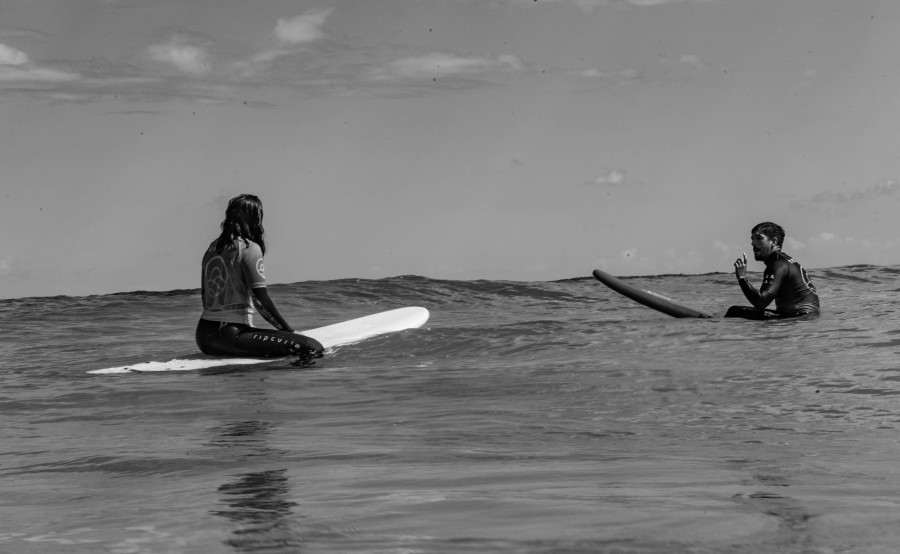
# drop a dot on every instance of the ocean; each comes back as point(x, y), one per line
point(524, 417)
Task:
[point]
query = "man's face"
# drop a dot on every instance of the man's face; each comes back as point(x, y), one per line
point(762, 246)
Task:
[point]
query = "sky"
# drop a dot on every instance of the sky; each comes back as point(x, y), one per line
point(524, 140)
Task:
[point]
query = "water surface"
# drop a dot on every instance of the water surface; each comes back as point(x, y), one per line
point(526, 417)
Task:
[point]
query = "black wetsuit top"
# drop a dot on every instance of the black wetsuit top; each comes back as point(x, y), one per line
point(786, 282)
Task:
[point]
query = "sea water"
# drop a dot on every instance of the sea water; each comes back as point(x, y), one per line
point(524, 417)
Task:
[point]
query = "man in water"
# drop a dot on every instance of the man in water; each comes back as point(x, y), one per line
point(784, 281)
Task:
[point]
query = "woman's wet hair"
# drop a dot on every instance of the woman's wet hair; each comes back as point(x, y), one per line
point(771, 230)
point(243, 219)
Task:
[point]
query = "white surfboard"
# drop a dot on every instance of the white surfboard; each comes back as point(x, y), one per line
point(339, 334)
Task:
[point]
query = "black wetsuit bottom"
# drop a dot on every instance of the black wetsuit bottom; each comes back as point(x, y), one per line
point(237, 339)
point(746, 312)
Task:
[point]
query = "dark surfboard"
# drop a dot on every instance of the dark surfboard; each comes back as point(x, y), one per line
point(648, 298)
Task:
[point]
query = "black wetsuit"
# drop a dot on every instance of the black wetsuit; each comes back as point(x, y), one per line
point(222, 338)
point(784, 281)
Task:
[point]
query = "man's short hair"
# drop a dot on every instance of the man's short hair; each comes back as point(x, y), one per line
point(771, 230)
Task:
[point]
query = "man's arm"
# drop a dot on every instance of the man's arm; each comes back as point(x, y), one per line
point(267, 309)
point(769, 289)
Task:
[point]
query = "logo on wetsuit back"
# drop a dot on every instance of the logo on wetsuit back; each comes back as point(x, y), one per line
point(806, 280)
point(216, 281)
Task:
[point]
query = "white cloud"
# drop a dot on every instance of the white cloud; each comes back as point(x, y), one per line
point(438, 64)
point(691, 59)
point(662, 2)
point(793, 245)
point(611, 177)
point(724, 247)
point(186, 57)
point(270, 55)
point(588, 5)
point(594, 73)
point(16, 66)
point(12, 56)
point(261, 60)
point(828, 249)
point(305, 28)
point(292, 34)
point(34, 75)
point(885, 189)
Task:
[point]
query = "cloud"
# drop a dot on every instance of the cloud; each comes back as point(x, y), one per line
point(686, 59)
point(793, 245)
point(830, 249)
point(16, 67)
point(34, 75)
point(89, 80)
point(293, 35)
point(436, 64)
point(725, 247)
point(305, 28)
point(159, 75)
point(828, 198)
point(865, 250)
point(612, 177)
point(674, 67)
point(268, 56)
point(664, 2)
point(594, 73)
point(11, 56)
point(589, 5)
point(586, 5)
point(179, 52)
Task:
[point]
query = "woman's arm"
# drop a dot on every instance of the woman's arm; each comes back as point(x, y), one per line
point(267, 309)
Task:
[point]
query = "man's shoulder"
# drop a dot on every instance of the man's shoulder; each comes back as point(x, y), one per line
point(781, 257)
point(779, 262)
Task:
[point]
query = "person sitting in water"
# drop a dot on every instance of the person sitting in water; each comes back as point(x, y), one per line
point(784, 280)
point(233, 280)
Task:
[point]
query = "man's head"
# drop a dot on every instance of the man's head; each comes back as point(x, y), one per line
point(765, 238)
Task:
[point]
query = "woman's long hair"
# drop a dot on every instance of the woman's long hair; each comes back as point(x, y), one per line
point(243, 220)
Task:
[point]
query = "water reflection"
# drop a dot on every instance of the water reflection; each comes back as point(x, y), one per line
point(243, 439)
point(257, 503)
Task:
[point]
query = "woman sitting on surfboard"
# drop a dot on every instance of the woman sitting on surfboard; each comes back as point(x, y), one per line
point(233, 280)
point(784, 280)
